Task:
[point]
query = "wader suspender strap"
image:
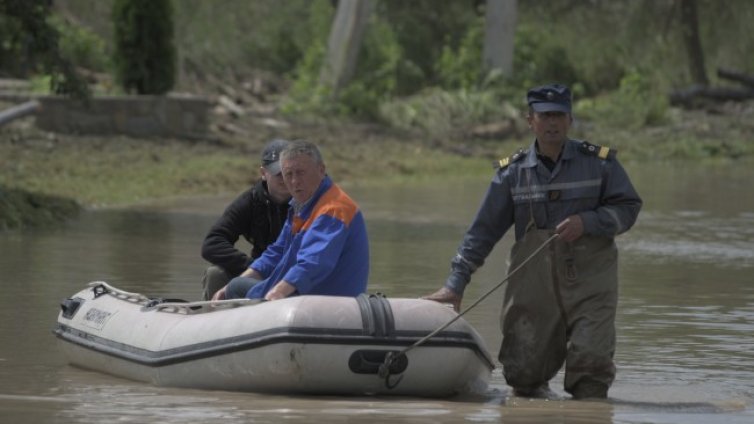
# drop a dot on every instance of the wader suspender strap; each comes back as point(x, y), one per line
point(532, 222)
point(384, 368)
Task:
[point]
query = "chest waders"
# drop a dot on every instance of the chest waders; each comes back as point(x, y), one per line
point(560, 307)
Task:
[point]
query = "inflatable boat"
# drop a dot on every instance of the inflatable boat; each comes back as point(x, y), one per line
point(303, 344)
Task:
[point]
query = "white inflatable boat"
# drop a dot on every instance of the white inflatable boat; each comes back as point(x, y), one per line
point(303, 344)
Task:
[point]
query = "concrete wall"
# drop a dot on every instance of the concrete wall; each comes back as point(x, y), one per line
point(139, 116)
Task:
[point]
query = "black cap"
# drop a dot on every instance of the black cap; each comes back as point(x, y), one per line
point(271, 155)
point(550, 98)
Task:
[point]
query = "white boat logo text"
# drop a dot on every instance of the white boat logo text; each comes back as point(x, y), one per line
point(96, 318)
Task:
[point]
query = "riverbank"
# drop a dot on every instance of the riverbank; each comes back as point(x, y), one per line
point(93, 171)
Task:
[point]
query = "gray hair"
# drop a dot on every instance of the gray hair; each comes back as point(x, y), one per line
point(301, 147)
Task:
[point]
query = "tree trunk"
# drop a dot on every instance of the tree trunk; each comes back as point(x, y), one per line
point(500, 28)
point(690, 27)
point(345, 40)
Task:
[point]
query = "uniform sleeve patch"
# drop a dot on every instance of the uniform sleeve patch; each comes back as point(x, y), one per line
point(601, 152)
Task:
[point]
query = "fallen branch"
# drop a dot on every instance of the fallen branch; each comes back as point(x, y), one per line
point(688, 95)
point(747, 80)
point(18, 111)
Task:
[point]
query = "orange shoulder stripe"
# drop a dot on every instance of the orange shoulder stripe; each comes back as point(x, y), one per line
point(335, 203)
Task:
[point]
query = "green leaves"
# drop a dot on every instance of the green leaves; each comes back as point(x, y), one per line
point(145, 57)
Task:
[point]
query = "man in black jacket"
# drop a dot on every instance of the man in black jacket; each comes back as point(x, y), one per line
point(258, 215)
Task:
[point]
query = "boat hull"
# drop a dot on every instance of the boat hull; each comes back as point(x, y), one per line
point(304, 344)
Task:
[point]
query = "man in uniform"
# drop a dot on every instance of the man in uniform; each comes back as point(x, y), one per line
point(560, 306)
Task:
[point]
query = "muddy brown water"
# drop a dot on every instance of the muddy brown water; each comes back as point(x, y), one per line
point(685, 320)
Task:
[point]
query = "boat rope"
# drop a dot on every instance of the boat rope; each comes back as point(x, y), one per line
point(169, 305)
point(384, 368)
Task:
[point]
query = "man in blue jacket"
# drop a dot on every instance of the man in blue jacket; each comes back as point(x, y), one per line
point(560, 306)
point(323, 247)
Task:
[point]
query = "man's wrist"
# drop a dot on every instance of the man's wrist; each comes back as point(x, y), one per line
point(456, 283)
point(280, 290)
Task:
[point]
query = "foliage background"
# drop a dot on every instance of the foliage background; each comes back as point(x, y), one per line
point(417, 95)
point(598, 47)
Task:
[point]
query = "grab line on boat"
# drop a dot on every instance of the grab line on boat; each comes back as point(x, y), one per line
point(167, 305)
point(384, 369)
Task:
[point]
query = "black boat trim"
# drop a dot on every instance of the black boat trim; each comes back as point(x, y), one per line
point(322, 336)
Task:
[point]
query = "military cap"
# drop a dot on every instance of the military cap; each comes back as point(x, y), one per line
point(550, 98)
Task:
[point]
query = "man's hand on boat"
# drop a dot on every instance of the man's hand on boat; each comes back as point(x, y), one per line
point(220, 294)
point(446, 295)
point(281, 290)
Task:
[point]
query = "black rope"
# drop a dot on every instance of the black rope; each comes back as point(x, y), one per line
point(384, 368)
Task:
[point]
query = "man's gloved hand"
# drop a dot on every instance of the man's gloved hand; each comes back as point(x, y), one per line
point(446, 295)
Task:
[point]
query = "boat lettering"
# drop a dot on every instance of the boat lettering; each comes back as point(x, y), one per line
point(96, 318)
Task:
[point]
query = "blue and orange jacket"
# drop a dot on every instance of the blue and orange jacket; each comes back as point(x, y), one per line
point(322, 249)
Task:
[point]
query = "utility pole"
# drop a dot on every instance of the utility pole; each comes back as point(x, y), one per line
point(343, 46)
point(500, 29)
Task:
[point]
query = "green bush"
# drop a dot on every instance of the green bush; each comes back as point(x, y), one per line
point(424, 30)
point(30, 46)
point(436, 112)
point(81, 46)
point(144, 58)
point(13, 59)
point(20, 209)
point(464, 94)
point(375, 77)
point(306, 95)
point(634, 105)
point(461, 67)
point(398, 57)
point(539, 59)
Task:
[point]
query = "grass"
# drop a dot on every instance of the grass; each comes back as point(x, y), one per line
point(113, 171)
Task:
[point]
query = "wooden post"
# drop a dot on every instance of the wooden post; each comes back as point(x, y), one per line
point(500, 28)
point(345, 40)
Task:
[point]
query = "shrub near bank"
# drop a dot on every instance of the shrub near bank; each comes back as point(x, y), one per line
point(19, 209)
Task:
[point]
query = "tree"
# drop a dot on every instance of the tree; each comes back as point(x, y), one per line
point(145, 56)
point(30, 45)
point(690, 28)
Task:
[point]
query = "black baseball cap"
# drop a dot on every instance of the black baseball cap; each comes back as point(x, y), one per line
point(550, 98)
point(271, 155)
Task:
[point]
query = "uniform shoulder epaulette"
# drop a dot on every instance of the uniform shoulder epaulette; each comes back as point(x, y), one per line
point(504, 162)
point(601, 152)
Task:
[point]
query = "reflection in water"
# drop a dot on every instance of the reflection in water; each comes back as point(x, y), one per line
point(686, 315)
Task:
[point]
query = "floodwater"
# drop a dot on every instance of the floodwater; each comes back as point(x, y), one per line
point(685, 322)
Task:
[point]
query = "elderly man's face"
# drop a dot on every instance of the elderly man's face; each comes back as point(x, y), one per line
point(302, 175)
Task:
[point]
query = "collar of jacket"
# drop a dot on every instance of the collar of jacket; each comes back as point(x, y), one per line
point(570, 148)
point(262, 190)
point(308, 206)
